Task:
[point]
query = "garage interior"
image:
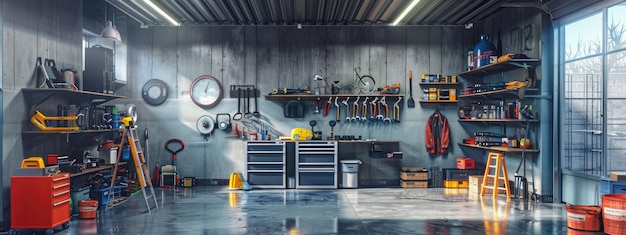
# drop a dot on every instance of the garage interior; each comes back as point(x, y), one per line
point(247, 117)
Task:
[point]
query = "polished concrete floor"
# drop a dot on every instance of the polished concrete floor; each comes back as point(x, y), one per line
point(216, 210)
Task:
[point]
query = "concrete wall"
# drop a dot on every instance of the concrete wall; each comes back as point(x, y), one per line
point(31, 29)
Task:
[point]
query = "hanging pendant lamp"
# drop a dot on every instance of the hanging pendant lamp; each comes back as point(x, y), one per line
point(109, 30)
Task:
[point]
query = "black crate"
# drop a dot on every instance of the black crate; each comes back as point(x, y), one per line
point(460, 174)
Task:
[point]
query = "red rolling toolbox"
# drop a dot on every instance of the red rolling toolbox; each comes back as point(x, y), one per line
point(40, 202)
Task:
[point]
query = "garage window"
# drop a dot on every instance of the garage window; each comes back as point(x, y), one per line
point(593, 117)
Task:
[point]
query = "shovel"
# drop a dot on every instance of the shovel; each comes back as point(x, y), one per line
point(410, 103)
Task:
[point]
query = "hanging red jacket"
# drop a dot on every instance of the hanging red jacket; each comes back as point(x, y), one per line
point(437, 136)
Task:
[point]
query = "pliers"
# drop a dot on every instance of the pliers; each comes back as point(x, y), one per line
point(345, 102)
point(327, 106)
point(338, 114)
point(396, 110)
point(364, 110)
point(355, 110)
point(386, 119)
point(380, 116)
point(373, 108)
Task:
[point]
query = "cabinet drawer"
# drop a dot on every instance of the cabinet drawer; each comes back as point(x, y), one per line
point(266, 178)
point(316, 178)
point(252, 167)
point(265, 157)
point(316, 167)
point(266, 147)
point(60, 212)
point(316, 158)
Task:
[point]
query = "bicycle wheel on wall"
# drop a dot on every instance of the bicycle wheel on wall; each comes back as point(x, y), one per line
point(366, 85)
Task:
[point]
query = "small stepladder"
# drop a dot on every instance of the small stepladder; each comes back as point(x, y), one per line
point(141, 167)
point(494, 172)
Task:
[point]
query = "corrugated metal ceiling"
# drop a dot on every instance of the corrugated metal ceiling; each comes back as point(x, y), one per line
point(322, 12)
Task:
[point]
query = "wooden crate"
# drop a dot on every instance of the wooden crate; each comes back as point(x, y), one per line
point(414, 183)
point(414, 169)
point(414, 175)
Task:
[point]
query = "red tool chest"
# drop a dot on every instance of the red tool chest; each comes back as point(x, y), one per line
point(40, 202)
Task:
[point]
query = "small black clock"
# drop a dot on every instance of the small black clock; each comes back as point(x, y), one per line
point(154, 92)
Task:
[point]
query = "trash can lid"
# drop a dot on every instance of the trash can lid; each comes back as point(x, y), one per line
point(351, 161)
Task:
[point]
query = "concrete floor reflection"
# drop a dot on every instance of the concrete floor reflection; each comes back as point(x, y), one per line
point(216, 210)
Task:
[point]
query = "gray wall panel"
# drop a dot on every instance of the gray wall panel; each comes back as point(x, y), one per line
point(267, 59)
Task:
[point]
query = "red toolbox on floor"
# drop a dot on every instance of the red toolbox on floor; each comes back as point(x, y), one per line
point(465, 163)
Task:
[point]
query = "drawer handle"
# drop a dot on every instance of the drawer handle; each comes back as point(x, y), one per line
point(61, 178)
point(316, 170)
point(61, 193)
point(61, 202)
point(60, 186)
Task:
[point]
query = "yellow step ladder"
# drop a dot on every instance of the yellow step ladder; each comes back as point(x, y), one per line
point(141, 167)
point(494, 172)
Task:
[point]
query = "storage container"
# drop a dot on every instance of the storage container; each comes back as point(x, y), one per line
point(586, 218)
point(460, 174)
point(465, 163)
point(607, 186)
point(414, 183)
point(455, 183)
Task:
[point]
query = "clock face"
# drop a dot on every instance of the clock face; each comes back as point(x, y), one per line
point(206, 91)
point(154, 92)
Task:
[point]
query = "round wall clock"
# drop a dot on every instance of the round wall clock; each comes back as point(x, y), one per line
point(206, 91)
point(154, 92)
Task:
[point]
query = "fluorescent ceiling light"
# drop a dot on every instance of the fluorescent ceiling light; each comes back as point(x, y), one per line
point(406, 11)
point(160, 11)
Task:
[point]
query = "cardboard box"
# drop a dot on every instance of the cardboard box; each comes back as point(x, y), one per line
point(414, 183)
point(414, 175)
point(476, 182)
point(618, 175)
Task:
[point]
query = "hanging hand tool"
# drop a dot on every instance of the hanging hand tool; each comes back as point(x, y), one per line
point(396, 110)
point(285, 90)
point(236, 130)
point(380, 115)
point(248, 114)
point(238, 115)
point(345, 102)
point(364, 110)
point(256, 105)
point(373, 109)
point(338, 114)
point(317, 106)
point(327, 106)
point(332, 129)
point(386, 119)
point(410, 103)
point(355, 110)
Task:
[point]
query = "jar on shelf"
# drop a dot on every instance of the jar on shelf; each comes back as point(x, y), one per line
point(483, 51)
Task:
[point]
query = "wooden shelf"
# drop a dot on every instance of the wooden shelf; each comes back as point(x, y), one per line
point(496, 120)
point(499, 92)
point(501, 149)
point(439, 83)
point(502, 67)
point(70, 132)
point(96, 169)
point(438, 101)
point(35, 96)
point(322, 97)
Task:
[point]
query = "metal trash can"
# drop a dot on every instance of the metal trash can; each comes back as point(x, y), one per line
point(350, 173)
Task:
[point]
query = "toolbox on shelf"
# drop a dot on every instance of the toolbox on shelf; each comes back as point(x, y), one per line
point(465, 163)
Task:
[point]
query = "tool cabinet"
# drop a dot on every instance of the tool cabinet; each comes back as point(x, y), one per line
point(316, 164)
point(265, 164)
point(40, 202)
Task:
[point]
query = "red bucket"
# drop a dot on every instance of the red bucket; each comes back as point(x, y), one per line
point(585, 218)
point(87, 209)
point(614, 213)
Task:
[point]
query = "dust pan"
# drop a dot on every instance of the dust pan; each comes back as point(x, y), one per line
point(246, 186)
point(235, 181)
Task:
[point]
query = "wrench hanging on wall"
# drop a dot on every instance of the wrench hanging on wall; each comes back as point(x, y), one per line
point(396, 110)
point(345, 102)
point(373, 109)
point(338, 107)
point(364, 110)
point(355, 110)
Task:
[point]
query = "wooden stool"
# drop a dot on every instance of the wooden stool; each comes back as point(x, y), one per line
point(495, 163)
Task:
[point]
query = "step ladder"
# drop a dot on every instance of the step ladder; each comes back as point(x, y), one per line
point(141, 167)
point(494, 172)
